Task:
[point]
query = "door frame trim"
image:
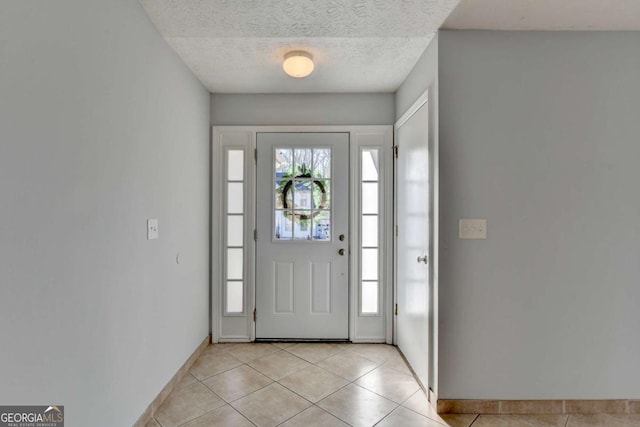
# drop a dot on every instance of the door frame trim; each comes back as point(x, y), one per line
point(217, 224)
point(423, 99)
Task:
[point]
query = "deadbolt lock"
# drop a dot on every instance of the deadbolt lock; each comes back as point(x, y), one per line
point(341, 237)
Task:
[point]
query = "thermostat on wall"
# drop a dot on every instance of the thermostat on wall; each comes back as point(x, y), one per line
point(473, 229)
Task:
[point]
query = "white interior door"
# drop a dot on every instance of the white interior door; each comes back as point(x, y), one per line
point(302, 253)
point(412, 213)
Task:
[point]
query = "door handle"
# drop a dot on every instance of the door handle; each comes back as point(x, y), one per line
point(424, 259)
point(341, 252)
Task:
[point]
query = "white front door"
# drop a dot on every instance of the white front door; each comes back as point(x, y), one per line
point(412, 213)
point(302, 253)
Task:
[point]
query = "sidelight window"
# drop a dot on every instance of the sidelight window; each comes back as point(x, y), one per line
point(369, 230)
point(234, 244)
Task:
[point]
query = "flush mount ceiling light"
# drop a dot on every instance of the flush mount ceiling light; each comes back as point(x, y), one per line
point(298, 63)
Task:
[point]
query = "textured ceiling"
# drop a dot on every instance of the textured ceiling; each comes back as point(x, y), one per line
point(358, 45)
point(546, 15)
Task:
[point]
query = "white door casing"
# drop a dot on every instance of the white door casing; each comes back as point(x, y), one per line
point(413, 241)
point(302, 218)
point(237, 324)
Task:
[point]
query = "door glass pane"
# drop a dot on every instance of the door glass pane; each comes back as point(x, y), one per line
point(283, 161)
point(369, 231)
point(302, 225)
point(283, 226)
point(302, 162)
point(235, 198)
point(235, 230)
point(369, 264)
point(370, 165)
point(235, 165)
point(234, 264)
point(234, 297)
point(322, 162)
point(302, 194)
point(322, 226)
point(369, 197)
point(321, 194)
point(369, 297)
point(284, 190)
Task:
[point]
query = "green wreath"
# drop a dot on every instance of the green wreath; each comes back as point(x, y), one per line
point(287, 187)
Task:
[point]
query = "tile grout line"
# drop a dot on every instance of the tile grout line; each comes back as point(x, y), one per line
point(239, 360)
point(397, 370)
point(379, 363)
point(378, 394)
point(213, 410)
point(426, 416)
point(230, 401)
point(262, 388)
point(241, 397)
point(352, 382)
point(221, 372)
point(332, 414)
point(370, 391)
point(422, 415)
point(273, 381)
point(295, 415)
point(386, 416)
point(335, 416)
point(340, 350)
point(474, 420)
point(208, 412)
point(297, 394)
point(243, 415)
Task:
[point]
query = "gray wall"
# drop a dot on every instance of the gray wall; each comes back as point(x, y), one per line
point(302, 109)
point(539, 134)
point(101, 127)
point(423, 76)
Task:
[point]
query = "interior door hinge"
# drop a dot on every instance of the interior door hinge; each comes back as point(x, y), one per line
point(255, 154)
point(395, 150)
point(396, 230)
point(254, 314)
point(396, 310)
point(255, 234)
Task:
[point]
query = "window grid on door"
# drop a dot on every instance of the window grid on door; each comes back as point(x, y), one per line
point(302, 193)
point(369, 231)
point(234, 235)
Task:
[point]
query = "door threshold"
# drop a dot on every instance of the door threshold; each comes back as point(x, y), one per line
point(304, 340)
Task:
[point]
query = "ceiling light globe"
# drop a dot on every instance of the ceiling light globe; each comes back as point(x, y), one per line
point(298, 63)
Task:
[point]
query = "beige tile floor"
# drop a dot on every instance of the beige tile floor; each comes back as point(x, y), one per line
point(320, 384)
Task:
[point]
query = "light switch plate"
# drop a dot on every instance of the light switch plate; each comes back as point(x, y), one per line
point(152, 229)
point(473, 229)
